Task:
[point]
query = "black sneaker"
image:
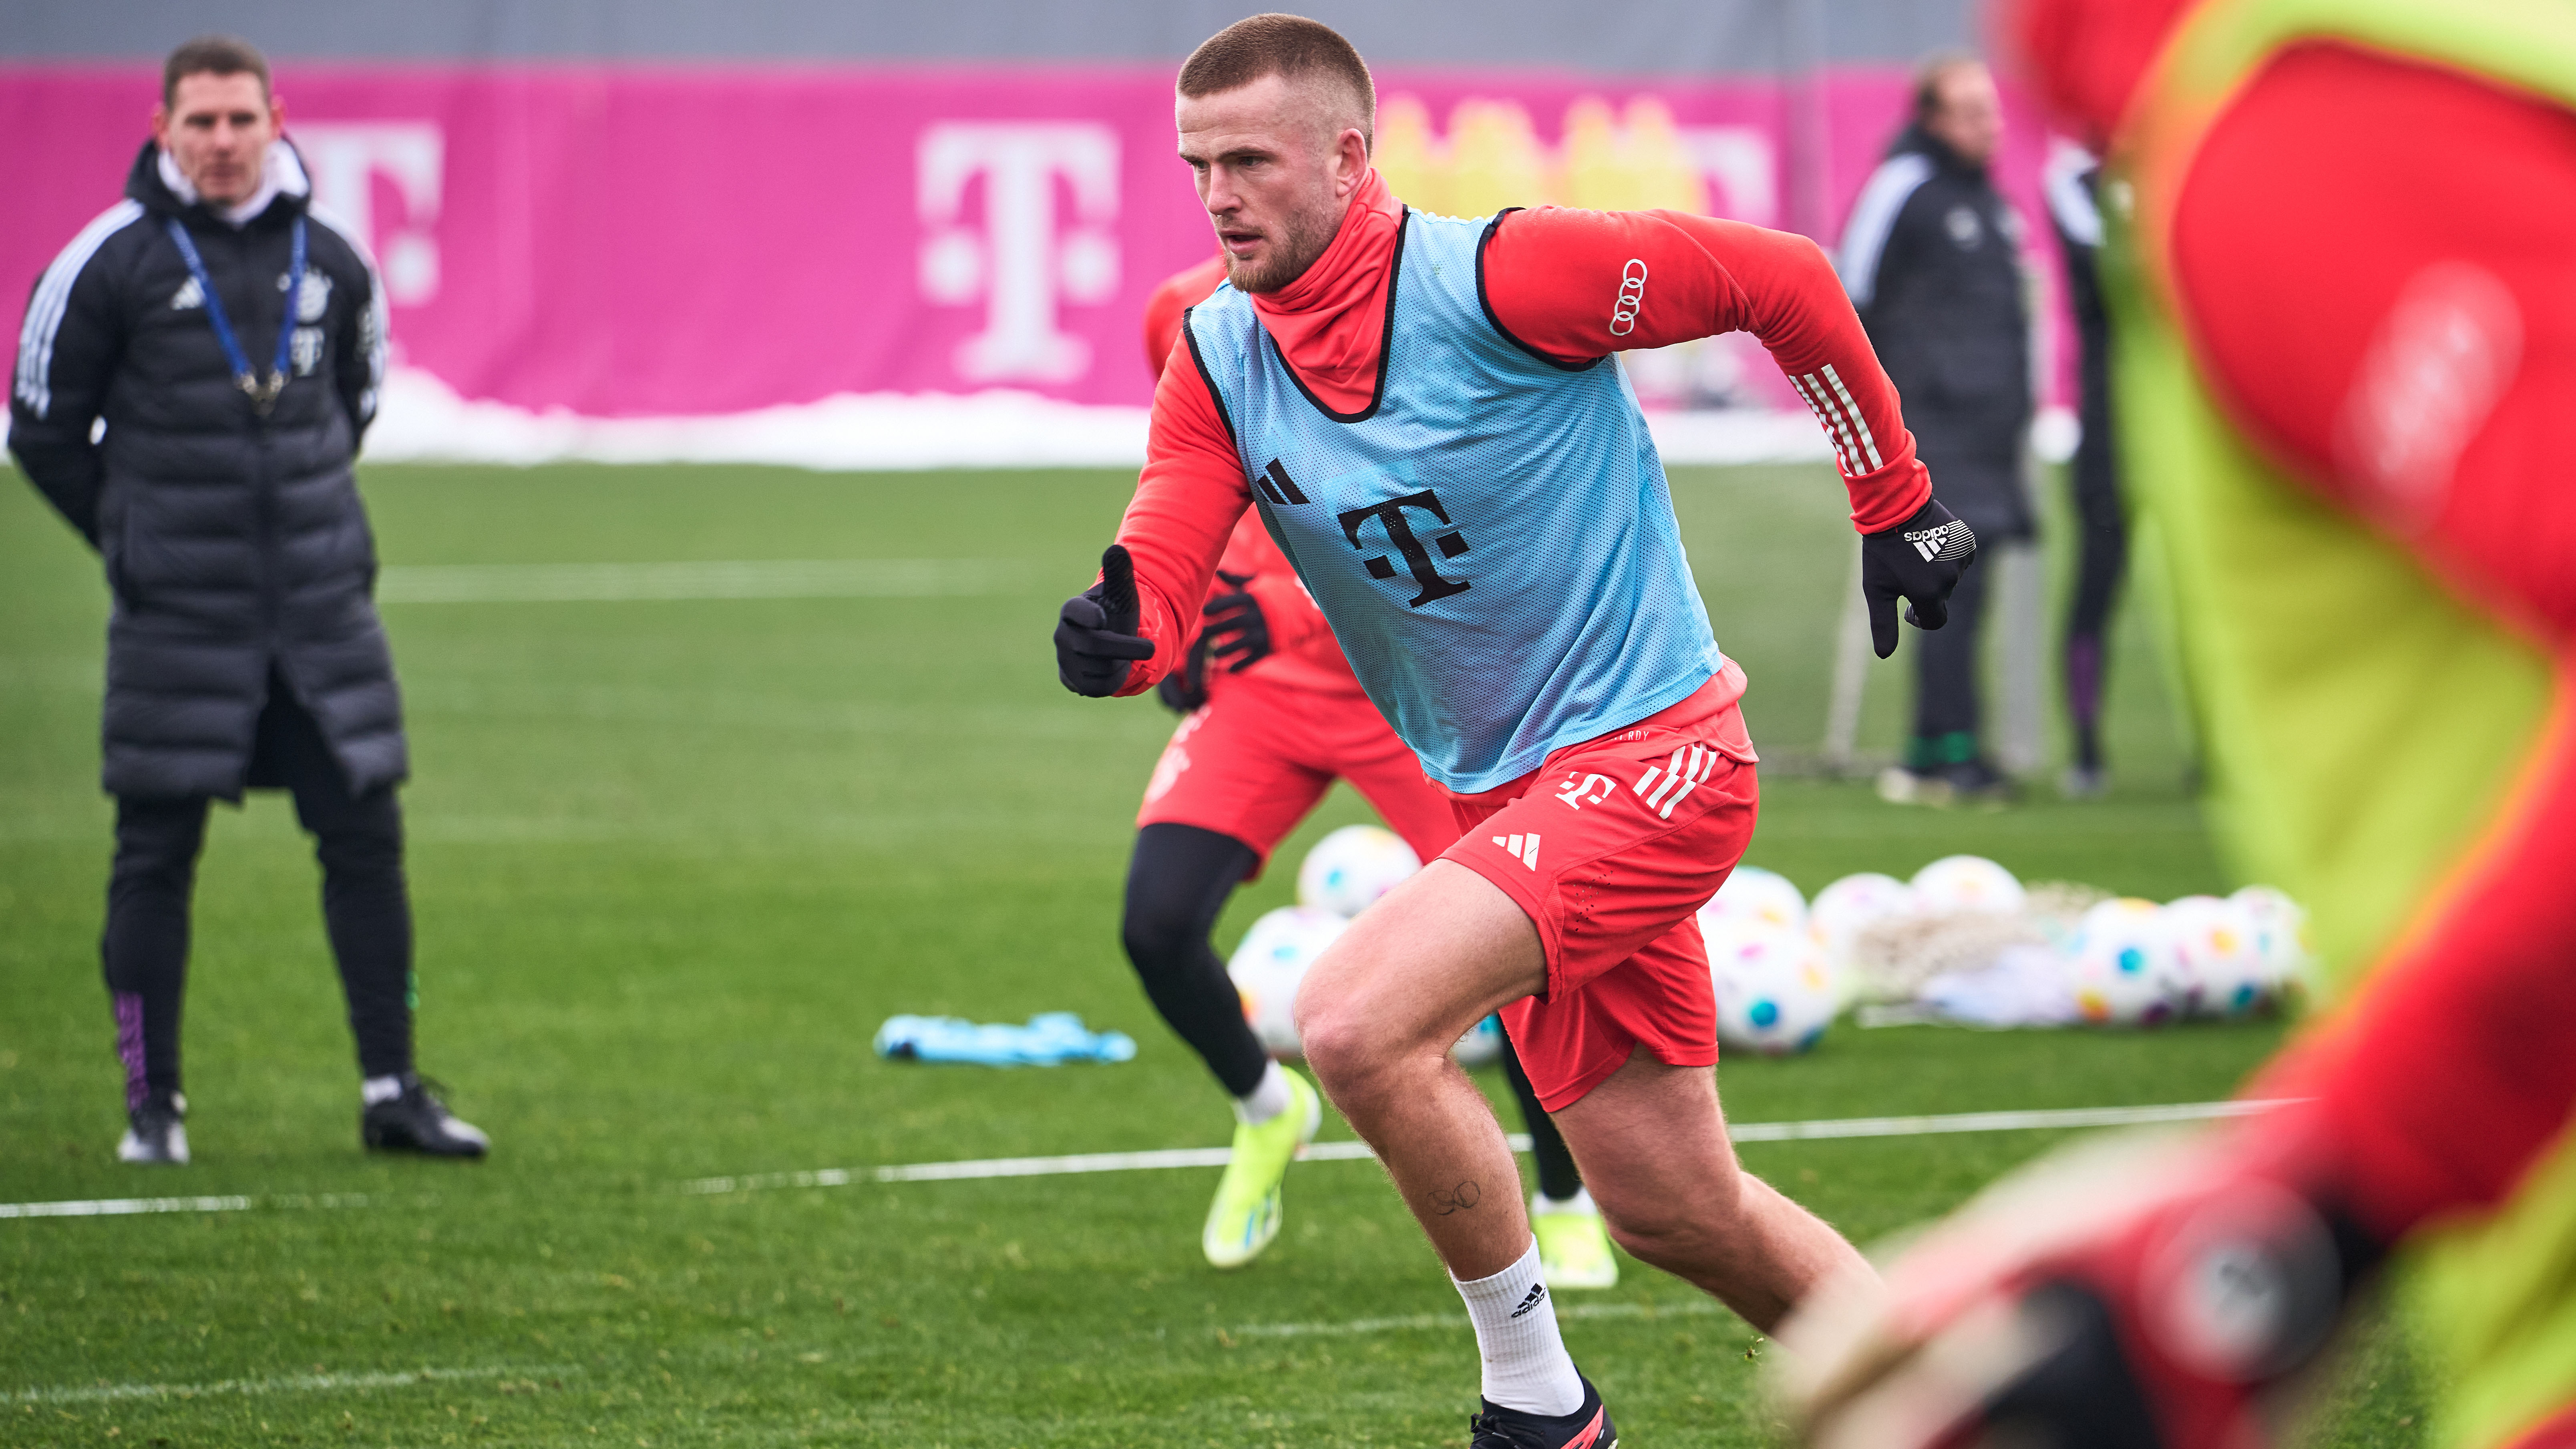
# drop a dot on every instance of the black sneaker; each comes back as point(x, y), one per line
point(1586, 1428)
point(418, 1122)
point(155, 1132)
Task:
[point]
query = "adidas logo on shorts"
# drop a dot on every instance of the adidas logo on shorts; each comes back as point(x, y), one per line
point(1524, 848)
point(1690, 768)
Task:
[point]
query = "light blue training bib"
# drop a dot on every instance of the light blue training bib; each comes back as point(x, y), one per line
point(1491, 538)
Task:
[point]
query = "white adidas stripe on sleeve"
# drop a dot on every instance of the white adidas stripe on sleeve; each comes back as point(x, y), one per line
point(1815, 404)
point(1859, 423)
point(52, 299)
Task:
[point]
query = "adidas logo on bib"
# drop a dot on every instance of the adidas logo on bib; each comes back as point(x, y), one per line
point(1524, 848)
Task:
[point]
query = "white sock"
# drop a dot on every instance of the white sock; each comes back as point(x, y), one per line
point(1265, 1101)
point(1526, 1366)
point(1581, 1202)
point(379, 1089)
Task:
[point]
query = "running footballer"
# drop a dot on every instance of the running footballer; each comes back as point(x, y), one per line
point(1424, 415)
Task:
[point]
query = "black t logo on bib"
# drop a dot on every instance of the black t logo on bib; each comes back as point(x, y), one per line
point(1399, 531)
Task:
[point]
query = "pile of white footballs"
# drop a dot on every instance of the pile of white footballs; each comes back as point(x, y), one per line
point(1963, 941)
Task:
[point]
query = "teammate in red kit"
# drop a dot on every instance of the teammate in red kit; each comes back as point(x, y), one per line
point(1425, 417)
point(2347, 333)
point(1271, 717)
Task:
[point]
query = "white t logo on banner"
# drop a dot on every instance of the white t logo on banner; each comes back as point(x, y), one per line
point(1023, 266)
point(345, 158)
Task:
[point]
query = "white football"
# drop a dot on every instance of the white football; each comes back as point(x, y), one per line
point(2281, 939)
point(1775, 994)
point(1754, 894)
point(1482, 1046)
point(1271, 962)
point(1350, 868)
point(1958, 884)
point(2214, 946)
point(2124, 968)
point(1849, 906)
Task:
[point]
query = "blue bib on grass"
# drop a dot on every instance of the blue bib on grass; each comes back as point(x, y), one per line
point(1490, 537)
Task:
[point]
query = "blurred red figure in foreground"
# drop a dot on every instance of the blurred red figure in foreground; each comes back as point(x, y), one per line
point(2350, 351)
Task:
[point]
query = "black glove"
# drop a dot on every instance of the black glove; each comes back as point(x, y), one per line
point(1919, 560)
point(1095, 632)
point(1237, 631)
point(1184, 690)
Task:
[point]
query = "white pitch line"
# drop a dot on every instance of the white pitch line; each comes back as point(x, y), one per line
point(118, 1207)
point(1844, 1127)
point(1996, 1121)
point(990, 1167)
point(976, 1169)
point(1412, 1322)
point(876, 578)
point(290, 1384)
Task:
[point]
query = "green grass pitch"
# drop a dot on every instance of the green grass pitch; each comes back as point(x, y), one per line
point(673, 862)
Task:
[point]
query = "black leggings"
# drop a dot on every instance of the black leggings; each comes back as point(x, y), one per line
point(366, 909)
point(1176, 884)
point(2102, 556)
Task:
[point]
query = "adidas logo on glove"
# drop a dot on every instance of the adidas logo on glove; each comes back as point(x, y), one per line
point(1950, 540)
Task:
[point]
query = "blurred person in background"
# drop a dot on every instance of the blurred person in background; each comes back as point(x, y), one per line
point(1932, 260)
point(193, 377)
point(1272, 715)
point(2072, 183)
point(2346, 322)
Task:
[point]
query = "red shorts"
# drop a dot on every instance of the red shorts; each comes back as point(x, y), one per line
point(1611, 847)
point(1254, 760)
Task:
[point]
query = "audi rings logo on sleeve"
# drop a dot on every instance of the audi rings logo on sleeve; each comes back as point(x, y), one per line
point(1632, 295)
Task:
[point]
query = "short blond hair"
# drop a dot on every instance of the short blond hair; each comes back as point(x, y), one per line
point(1291, 47)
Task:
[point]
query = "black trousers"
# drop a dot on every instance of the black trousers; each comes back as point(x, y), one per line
point(2101, 560)
point(1177, 882)
point(1947, 711)
point(366, 907)
point(1976, 467)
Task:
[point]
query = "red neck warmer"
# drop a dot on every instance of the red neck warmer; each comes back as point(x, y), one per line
point(1331, 322)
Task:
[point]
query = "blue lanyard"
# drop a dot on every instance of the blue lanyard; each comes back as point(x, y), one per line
point(263, 395)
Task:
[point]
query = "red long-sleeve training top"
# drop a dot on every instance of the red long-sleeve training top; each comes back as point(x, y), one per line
point(1304, 654)
point(1558, 281)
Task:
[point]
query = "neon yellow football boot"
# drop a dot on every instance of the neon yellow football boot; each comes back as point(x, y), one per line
point(1247, 1211)
point(1573, 1247)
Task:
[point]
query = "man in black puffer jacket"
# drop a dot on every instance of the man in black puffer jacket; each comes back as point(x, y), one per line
point(193, 377)
point(1932, 259)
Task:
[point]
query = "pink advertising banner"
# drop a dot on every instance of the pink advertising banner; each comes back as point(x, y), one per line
point(632, 241)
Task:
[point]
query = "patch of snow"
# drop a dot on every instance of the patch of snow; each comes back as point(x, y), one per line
point(423, 420)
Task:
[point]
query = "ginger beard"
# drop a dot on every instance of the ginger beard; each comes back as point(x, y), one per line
point(1300, 239)
point(1276, 163)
